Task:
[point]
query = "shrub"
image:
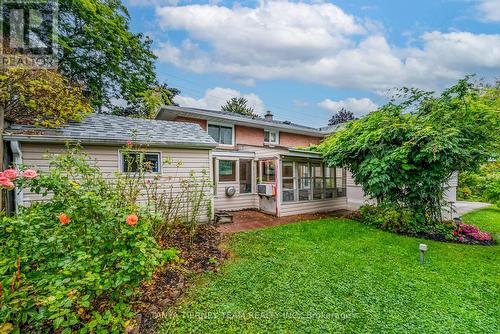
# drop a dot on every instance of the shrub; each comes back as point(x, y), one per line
point(72, 262)
point(483, 185)
point(404, 221)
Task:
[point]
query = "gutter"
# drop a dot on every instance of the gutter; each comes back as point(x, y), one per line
point(18, 160)
point(109, 142)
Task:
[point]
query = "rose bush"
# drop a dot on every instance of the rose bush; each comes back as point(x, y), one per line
point(71, 263)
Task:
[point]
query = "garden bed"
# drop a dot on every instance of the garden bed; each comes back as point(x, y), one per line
point(169, 283)
point(405, 222)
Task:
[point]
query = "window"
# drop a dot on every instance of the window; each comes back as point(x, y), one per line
point(268, 171)
point(304, 181)
point(245, 176)
point(227, 170)
point(330, 191)
point(221, 134)
point(317, 173)
point(340, 182)
point(288, 178)
point(134, 162)
point(270, 137)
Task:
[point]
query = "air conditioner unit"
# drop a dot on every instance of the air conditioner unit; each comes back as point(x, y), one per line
point(266, 189)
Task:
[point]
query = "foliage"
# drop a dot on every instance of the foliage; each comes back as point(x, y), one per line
point(41, 97)
point(337, 276)
point(81, 254)
point(238, 105)
point(148, 103)
point(98, 49)
point(342, 116)
point(174, 198)
point(405, 221)
point(405, 152)
point(483, 185)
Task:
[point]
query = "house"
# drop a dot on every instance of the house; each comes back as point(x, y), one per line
point(261, 163)
point(255, 163)
point(102, 138)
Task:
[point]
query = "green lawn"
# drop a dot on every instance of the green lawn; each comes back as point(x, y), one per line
point(334, 275)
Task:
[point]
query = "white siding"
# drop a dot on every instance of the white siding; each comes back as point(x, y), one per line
point(295, 208)
point(107, 158)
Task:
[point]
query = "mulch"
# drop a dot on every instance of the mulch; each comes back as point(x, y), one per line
point(170, 283)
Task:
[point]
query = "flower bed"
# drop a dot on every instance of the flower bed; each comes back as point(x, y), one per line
point(75, 262)
point(406, 222)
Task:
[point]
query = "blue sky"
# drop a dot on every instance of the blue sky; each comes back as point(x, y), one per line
point(305, 60)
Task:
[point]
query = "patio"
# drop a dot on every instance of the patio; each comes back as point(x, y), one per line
point(252, 219)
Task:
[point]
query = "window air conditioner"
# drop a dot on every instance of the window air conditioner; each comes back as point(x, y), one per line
point(266, 189)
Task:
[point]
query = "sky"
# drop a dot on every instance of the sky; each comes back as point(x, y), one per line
point(306, 60)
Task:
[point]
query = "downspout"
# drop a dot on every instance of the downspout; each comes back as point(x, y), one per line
point(18, 160)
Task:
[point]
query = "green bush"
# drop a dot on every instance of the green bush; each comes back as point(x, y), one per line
point(483, 185)
point(72, 262)
point(404, 221)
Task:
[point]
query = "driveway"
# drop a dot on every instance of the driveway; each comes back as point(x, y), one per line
point(465, 207)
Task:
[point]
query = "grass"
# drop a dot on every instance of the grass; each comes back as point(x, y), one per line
point(334, 275)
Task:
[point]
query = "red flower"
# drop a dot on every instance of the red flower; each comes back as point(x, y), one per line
point(30, 174)
point(455, 232)
point(64, 219)
point(131, 219)
point(10, 173)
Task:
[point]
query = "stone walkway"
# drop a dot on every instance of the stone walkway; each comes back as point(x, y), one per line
point(252, 219)
point(465, 207)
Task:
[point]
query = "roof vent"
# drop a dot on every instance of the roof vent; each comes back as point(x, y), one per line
point(287, 122)
point(268, 116)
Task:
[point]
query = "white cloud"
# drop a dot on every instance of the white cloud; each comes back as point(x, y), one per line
point(489, 10)
point(358, 107)
point(214, 98)
point(320, 43)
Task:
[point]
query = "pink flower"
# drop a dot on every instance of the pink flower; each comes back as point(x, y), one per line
point(10, 173)
point(129, 143)
point(30, 174)
point(461, 239)
point(6, 183)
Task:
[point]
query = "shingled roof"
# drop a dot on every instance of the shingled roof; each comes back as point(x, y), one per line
point(109, 129)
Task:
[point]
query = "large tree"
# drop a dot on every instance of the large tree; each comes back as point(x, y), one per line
point(341, 116)
point(238, 105)
point(42, 97)
point(405, 152)
point(98, 50)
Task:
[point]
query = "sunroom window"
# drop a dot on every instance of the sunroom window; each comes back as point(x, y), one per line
point(288, 182)
point(304, 181)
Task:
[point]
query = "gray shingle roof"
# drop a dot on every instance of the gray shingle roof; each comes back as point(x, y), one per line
point(103, 129)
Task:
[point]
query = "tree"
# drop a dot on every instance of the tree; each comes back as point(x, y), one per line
point(97, 49)
point(404, 153)
point(147, 105)
point(238, 105)
point(42, 97)
point(342, 116)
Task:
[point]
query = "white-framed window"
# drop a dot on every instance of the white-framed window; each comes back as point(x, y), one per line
point(222, 134)
point(133, 162)
point(227, 170)
point(271, 137)
point(245, 176)
point(311, 180)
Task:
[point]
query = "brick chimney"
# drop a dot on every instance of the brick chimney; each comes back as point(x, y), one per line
point(268, 116)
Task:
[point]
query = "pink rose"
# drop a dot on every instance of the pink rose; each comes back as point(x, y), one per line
point(10, 173)
point(6, 183)
point(30, 174)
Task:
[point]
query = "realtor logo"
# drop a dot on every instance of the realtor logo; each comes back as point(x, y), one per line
point(28, 31)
